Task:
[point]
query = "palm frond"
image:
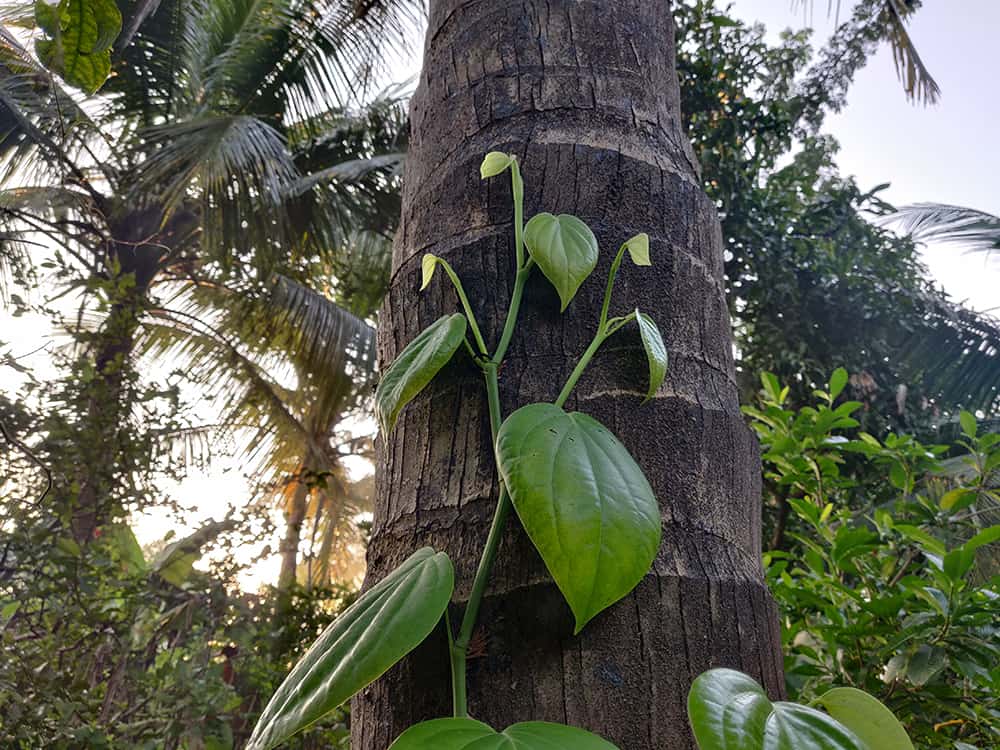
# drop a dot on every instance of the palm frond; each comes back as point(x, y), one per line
point(287, 361)
point(973, 230)
point(871, 23)
point(956, 356)
point(917, 80)
point(349, 172)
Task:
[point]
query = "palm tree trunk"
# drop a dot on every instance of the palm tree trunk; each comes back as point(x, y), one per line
point(586, 94)
point(295, 516)
point(101, 464)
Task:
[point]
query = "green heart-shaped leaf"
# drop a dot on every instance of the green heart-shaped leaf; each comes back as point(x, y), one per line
point(656, 352)
point(419, 362)
point(584, 502)
point(565, 250)
point(380, 628)
point(729, 711)
point(867, 717)
point(469, 734)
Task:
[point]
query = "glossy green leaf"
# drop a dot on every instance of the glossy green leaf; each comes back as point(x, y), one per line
point(958, 499)
point(416, 366)
point(584, 502)
point(565, 250)
point(469, 734)
point(924, 663)
point(656, 352)
point(494, 163)
point(79, 35)
point(867, 717)
point(638, 249)
point(968, 423)
point(380, 628)
point(729, 711)
point(427, 266)
point(837, 382)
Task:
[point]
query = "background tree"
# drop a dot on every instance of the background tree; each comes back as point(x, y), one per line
point(814, 282)
point(211, 156)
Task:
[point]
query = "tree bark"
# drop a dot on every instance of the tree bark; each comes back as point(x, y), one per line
point(585, 93)
point(295, 516)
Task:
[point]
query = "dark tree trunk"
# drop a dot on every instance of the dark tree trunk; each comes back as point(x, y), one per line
point(586, 94)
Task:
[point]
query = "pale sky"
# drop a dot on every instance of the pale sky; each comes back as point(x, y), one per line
point(946, 153)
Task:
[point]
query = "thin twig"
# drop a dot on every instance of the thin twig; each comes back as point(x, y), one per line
point(34, 459)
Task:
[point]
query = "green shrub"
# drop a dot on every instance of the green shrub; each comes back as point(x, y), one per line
point(884, 566)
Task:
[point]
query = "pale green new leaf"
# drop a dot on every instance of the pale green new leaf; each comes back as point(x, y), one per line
point(469, 734)
point(656, 352)
point(638, 249)
point(419, 362)
point(729, 711)
point(380, 628)
point(427, 266)
point(867, 717)
point(565, 250)
point(495, 163)
point(584, 502)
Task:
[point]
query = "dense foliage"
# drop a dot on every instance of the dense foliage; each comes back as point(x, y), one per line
point(814, 282)
point(885, 573)
point(211, 211)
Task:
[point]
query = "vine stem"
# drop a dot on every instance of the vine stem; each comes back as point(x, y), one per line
point(460, 647)
point(457, 283)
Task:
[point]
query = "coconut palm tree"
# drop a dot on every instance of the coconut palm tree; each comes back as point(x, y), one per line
point(231, 142)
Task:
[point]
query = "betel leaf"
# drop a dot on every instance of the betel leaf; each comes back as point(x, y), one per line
point(494, 163)
point(867, 717)
point(565, 250)
point(469, 734)
point(584, 502)
point(729, 711)
point(656, 352)
point(416, 366)
point(638, 249)
point(380, 628)
point(79, 35)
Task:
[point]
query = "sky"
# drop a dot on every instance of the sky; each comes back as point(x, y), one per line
point(946, 153)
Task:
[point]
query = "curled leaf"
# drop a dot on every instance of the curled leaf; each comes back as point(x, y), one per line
point(638, 249)
point(495, 162)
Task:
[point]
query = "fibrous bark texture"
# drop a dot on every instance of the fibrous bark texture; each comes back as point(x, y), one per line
point(585, 93)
